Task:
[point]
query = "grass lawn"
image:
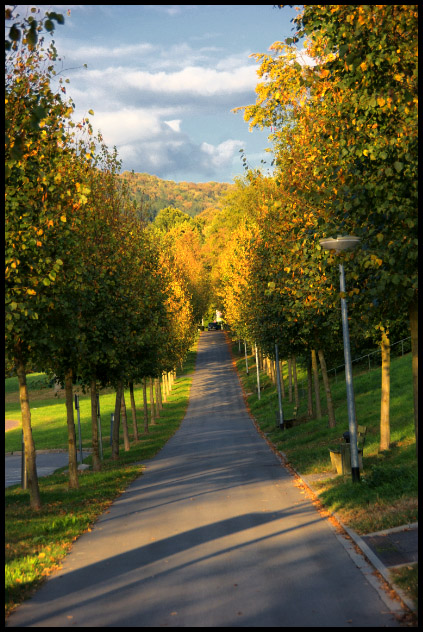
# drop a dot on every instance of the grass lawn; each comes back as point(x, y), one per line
point(36, 542)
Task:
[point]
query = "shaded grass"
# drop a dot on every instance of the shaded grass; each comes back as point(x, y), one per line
point(407, 578)
point(36, 542)
point(387, 494)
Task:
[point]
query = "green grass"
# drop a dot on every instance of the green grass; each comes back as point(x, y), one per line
point(407, 578)
point(48, 414)
point(387, 494)
point(36, 542)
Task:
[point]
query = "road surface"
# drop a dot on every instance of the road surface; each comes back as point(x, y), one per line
point(213, 534)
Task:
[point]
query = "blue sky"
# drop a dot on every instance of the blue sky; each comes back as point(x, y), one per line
point(163, 79)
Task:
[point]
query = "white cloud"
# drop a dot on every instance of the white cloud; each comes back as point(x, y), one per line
point(148, 143)
point(304, 59)
point(221, 155)
point(193, 79)
point(83, 53)
point(175, 125)
point(129, 125)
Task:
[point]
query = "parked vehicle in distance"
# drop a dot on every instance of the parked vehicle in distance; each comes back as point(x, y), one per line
point(213, 326)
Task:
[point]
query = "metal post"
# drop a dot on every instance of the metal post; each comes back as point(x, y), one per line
point(99, 426)
point(355, 469)
point(112, 418)
point(258, 373)
point(246, 359)
point(278, 377)
point(23, 465)
point(79, 427)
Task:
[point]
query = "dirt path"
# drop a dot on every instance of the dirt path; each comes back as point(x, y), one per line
point(9, 424)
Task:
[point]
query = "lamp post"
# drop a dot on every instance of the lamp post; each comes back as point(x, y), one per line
point(347, 243)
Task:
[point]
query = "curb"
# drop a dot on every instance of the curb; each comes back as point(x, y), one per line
point(358, 541)
point(367, 552)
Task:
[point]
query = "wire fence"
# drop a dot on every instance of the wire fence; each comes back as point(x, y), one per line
point(364, 363)
point(374, 359)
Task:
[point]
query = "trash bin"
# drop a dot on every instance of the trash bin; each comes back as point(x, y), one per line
point(341, 459)
point(341, 456)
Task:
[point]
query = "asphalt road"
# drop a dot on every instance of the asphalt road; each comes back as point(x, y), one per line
point(213, 534)
point(46, 463)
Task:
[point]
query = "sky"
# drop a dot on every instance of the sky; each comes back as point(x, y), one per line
point(162, 81)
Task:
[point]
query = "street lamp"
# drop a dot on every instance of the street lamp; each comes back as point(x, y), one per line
point(347, 243)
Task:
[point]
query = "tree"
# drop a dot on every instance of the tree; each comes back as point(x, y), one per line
point(346, 135)
point(368, 53)
point(37, 200)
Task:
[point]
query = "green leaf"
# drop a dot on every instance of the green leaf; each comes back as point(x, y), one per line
point(398, 165)
point(14, 33)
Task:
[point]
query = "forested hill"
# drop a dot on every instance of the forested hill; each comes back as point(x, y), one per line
point(155, 194)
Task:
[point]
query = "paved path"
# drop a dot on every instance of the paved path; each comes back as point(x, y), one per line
point(213, 534)
point(47, 462)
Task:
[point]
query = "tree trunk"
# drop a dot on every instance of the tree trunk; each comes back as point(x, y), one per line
point(329, 401)
point(309, 391)
point(164, 387)
point(134, 410)
point(159, 395)
point(144, 397)
point(282, 382)
point(94, 426)
point(413, 312)
point(246, 358)
point(116, 423)
point(124, 422)
point(152, 409)
point(30, 458)
point(316, 384)
point(289, 380)
point(385, 430)
point(73, 462)
point(294, 371)
point(156, 398)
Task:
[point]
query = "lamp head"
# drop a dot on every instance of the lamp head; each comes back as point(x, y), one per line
point(348, 242)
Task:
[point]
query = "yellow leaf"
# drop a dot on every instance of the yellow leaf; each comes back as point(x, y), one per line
point(63, 218)
point(41, 555)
